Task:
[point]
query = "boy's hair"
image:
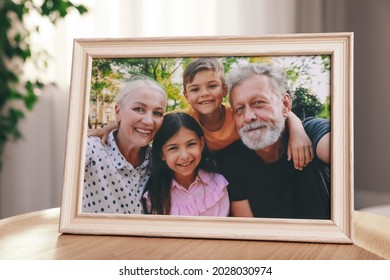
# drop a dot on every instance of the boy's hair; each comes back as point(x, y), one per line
point(159, 184)
point(200, 64)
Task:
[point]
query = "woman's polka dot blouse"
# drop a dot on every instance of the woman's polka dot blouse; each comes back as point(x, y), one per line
point(111, 184)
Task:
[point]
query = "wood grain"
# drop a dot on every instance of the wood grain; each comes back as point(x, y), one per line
point(35, 236)
point(372, 232)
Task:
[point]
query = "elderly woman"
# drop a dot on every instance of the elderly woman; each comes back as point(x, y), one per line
point(116, 173)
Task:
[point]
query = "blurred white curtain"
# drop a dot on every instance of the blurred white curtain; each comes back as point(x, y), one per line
point(31, 178)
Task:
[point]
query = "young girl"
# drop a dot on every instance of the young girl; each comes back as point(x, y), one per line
point(183, 178)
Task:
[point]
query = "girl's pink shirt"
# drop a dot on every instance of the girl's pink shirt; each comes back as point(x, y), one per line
point(206, 196)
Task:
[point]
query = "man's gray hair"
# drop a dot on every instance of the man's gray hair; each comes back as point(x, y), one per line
point(243, 72)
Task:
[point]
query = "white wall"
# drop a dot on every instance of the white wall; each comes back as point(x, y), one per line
point(31, 178)
point(369, 20)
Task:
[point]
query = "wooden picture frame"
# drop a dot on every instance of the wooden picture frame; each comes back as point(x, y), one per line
point(339, 229)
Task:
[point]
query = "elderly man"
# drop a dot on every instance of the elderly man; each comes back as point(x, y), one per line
point(262, 183)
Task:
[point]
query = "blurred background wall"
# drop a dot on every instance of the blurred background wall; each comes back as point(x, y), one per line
point(31, 177)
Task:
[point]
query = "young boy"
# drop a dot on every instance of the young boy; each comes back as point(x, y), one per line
point(204, 89)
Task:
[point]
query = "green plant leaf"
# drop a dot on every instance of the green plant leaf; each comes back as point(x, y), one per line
point(30, 98)
point(19, 47)
point(82, 9)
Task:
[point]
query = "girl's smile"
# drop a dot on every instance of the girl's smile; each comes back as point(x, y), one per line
point(182, 153)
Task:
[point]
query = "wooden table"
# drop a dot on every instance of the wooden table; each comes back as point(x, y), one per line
point(35, 236)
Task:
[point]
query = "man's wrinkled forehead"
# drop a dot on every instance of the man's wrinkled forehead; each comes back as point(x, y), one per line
point(257, 85)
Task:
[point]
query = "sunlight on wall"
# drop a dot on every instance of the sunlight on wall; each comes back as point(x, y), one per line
point(118, 19)
point(41, 63)
point(46, 125)
point(178, 18)
point(154, 18)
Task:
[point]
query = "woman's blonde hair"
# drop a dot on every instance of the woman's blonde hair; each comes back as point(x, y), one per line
point(134, 83)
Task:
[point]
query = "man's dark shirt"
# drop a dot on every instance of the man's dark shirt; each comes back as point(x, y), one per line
point(278, 190)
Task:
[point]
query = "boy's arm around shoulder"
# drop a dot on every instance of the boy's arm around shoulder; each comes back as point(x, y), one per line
point(103, 132)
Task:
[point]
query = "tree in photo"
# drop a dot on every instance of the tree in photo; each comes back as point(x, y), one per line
point(306, 103)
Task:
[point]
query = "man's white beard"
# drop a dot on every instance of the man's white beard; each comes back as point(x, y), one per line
point(260, 138)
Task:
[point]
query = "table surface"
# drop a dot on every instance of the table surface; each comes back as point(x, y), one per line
point(35, 236)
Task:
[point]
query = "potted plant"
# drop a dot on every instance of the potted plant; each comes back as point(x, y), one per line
point(14, 52)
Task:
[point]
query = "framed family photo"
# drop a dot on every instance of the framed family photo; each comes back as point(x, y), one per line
point(319, 71)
